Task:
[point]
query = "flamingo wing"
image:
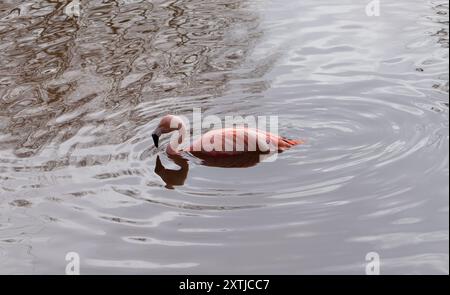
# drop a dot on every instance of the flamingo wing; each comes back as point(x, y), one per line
point(233, 141)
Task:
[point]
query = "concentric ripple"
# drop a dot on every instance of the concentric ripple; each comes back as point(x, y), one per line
point(79, 98)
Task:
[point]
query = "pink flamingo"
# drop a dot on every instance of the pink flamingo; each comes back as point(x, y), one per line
point(247, 146)
point(216, 143)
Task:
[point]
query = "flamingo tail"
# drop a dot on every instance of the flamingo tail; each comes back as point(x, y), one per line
point(286, 143)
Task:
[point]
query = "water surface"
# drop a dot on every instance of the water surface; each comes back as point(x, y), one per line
point(79, 97)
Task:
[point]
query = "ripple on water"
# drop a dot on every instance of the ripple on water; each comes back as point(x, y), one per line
point(79, 98)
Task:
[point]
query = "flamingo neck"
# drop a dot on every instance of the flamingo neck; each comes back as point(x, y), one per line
point(173, 148)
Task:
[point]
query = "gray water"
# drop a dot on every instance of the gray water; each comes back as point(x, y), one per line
point(80, 96)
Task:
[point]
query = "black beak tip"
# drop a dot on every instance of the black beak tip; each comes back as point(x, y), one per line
point(155, 139)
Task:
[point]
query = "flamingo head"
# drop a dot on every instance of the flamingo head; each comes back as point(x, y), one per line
point(167, 124)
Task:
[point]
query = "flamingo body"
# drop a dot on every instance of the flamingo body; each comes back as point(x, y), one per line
point(222, 143)
point(239, 141)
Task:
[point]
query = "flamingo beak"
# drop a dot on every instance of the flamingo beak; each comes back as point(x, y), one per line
point(155, 139)
point(156, 134)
